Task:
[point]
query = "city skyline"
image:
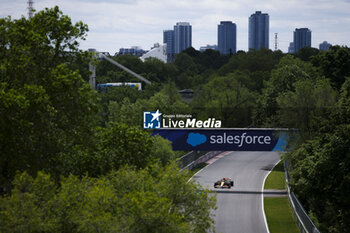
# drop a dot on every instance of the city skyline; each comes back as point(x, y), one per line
point(116, 24)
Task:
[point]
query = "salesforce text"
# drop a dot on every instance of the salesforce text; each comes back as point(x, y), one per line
point(239, 139)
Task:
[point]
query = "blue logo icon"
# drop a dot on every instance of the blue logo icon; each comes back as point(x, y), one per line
point(151, 120)
point(195, 139)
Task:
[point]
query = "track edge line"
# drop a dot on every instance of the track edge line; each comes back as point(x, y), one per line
point(262, 196)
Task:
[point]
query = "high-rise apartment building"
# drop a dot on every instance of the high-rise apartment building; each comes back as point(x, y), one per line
point(291, 47)
point(302, 38)
point(324, 46)
point(169, 40)
point(183, 36)
point(259, 30)
point(227, 37)
point(178, 39)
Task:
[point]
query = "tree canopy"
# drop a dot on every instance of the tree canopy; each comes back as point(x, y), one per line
point(156, 199)
point(73, 159)
point(46, 106)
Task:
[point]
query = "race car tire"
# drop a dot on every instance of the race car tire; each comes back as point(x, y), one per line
point(231, 183)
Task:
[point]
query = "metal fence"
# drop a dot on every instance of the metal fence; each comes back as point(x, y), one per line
point(303, 220)
point(193, 158)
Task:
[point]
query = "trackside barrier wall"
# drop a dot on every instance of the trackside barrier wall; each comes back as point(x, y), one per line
point(187, 159)
point(193, 158)
point(303, 220)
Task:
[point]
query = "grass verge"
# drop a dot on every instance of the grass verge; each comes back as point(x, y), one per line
point(276, 179)
point(196, 169)
point(279, 216)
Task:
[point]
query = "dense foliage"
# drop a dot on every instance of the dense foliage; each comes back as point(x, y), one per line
point(74, 160)
point(320, 168)
point(156, 199)
point(46, 106)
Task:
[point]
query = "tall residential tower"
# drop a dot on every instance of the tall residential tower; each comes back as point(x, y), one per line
point(259, 30)
point(291, 47)
point(324, 46)
point(227, 37)
point(169, 40)
point(302, 38)
point(183, 36)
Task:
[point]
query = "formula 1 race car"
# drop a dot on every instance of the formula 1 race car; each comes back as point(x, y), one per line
point(224, 183)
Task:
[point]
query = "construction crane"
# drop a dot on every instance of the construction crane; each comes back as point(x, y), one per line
point(92, 79)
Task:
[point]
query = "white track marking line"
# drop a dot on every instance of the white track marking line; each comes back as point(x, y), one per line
point(262, 196)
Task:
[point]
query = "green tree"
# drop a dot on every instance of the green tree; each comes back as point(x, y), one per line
point(306, 107)
point(319, 168)
point(25, 131)
point(29, 208)
point(160, 71)
point(167, 101)
point(260, 60)
point(156, 199)
point(287, 72)
point(127, 112)
point(46, 106)
point(162, 150)
point(227, 99)
point(116, 146)
point(307, 53)
point(334, 64)
point(116, 95)
point(31, 48)
point(209, 59)
point(123, 145)
point(321, 178)
point(184, 62)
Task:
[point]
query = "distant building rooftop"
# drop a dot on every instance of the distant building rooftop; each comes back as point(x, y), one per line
point(203, 48)
point(134, 51)
point(157, 51)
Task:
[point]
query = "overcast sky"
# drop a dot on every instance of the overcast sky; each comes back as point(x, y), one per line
point(124, 23)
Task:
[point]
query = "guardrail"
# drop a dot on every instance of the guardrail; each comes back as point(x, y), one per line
point(193, 158)
point(303, 220)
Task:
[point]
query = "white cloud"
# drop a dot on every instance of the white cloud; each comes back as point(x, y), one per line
point(124, 23)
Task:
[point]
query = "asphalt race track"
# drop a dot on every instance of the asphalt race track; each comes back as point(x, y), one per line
point(239, 208)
